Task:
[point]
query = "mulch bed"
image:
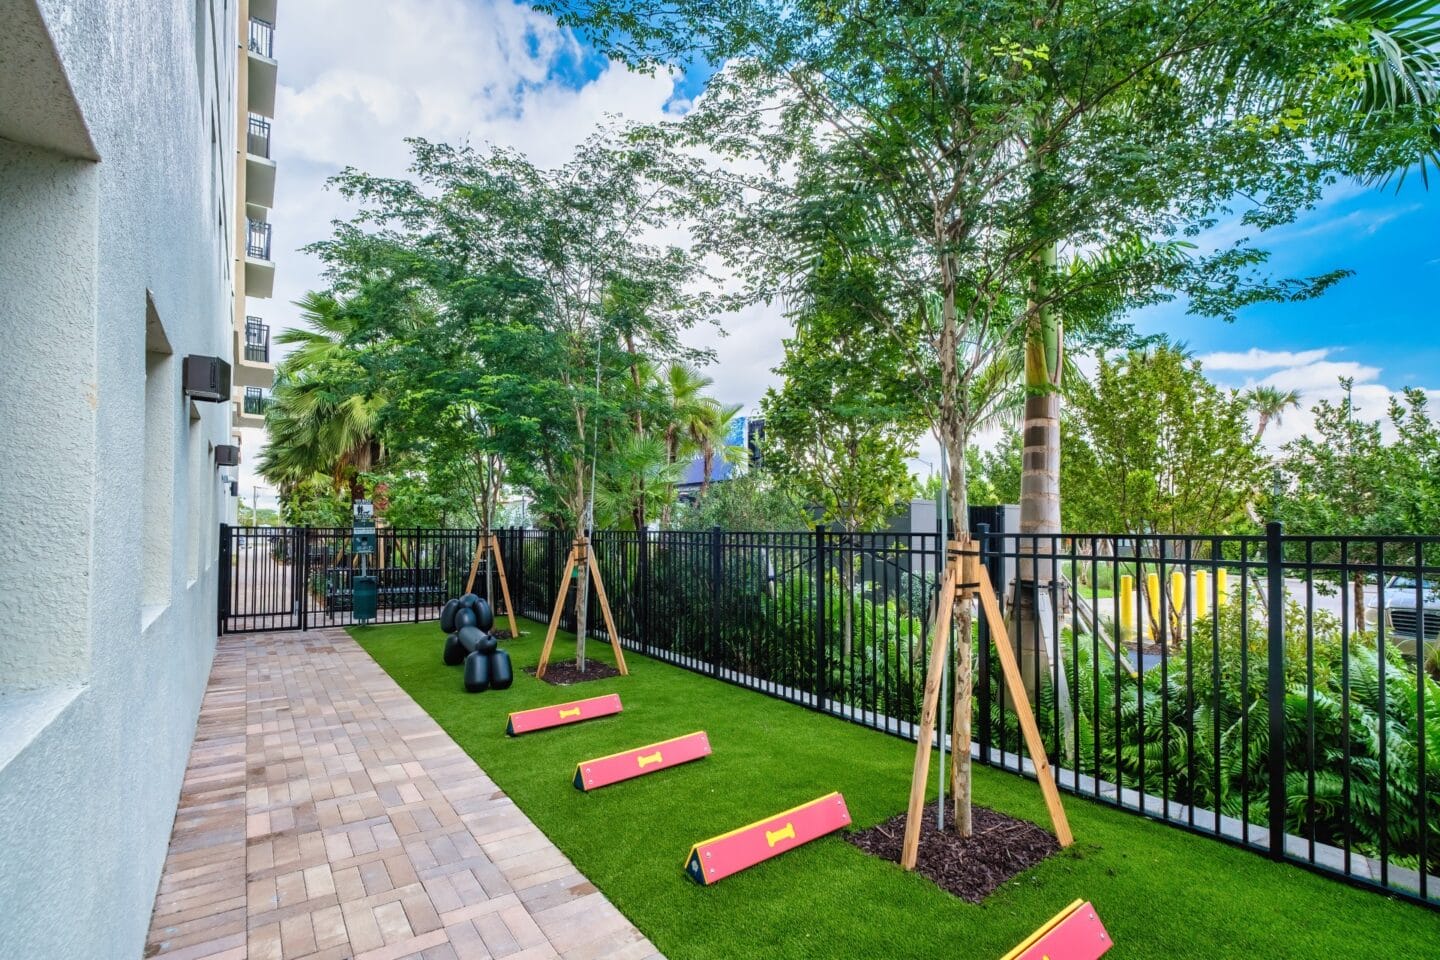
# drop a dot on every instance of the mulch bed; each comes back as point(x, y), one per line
point(562, 673)
point(999, 848)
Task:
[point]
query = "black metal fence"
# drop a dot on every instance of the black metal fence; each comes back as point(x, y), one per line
point(296, 578)
point(1163, 670)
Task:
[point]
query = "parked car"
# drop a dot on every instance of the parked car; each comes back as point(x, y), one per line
point(1405, 620)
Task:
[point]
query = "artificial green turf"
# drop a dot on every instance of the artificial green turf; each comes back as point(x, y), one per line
point(1161, 892)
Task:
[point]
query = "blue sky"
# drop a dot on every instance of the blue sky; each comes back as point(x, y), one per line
point(1383, 316)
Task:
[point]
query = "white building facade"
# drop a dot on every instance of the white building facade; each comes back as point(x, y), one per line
point(118, 156)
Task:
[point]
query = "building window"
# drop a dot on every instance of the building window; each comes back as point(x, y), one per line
point(162, 397)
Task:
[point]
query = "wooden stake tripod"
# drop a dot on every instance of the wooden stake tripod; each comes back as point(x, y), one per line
point(490, 542)
point(583, 557)
point(964, 580)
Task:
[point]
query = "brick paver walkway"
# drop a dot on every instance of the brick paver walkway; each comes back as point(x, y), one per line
point(325, 815)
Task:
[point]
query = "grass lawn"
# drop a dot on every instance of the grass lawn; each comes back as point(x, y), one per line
point(1162, 893)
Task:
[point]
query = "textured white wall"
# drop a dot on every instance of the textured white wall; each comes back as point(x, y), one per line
point(98, 695)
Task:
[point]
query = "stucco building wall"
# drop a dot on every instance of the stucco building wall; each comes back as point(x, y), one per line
point(117, 152)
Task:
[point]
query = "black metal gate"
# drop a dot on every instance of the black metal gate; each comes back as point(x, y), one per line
point(298, 578)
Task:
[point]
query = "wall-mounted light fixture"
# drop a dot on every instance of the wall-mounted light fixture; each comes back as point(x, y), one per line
point(207, 379)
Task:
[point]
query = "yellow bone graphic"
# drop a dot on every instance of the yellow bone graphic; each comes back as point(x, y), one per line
point(786, 832)
point(572, 712)
point(648, 759)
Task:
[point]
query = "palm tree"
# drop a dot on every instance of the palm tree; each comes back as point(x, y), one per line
point(686, 409)
point(712, 430)
point(1270, 404)
point(320, 418)
point(1403, 44)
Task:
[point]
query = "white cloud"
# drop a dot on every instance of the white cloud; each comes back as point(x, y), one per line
point(1315, 377)
point(356, 79)
point(1257, 359)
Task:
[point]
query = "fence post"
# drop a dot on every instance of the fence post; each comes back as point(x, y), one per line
point(820, 616)
point(717, 570)
point(982, 680)
point(642, 573)
point(302, 535)
point(1275, 681)
point(222, 595)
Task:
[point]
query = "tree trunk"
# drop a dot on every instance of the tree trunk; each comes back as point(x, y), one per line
point(582, 609)
point(637, 512)
point(1357, 584)
point(1040, 476)
point(953, 437)
point(1044, 362)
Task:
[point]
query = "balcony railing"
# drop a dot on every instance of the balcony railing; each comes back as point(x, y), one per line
point(257, 240)
point(256, 400)
point(257, 340)
point(257, 140)
point(262, 37)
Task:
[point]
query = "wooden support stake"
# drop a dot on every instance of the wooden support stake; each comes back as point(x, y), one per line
point(580, 556)
point(605, 609)
point(560, 594)
point(504, 586)
point(475, 565)
point(492, 543)
point(965, 579)
point(920, 775)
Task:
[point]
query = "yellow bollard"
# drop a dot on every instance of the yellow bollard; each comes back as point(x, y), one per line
point(1152, 594)
point(1222, 586)
point(1177, 590)
point(1127, 606)
point(1202, 593)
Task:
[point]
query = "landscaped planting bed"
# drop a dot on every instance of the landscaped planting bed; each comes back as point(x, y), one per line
point(1161, 892)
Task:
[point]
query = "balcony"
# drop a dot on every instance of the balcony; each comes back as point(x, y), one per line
point(262, 38)
point(256, 400)
point(257, 240)
point(252, 356)
point(259, 168)
point(257, 340)
point(250, 407)
point(259, 268)
point(257, 140)
point(262, 67)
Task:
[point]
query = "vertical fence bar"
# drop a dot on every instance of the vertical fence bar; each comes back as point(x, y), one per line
point(1275, 682)
point(717, 570)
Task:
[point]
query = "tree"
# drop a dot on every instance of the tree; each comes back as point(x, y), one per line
point(1342, 479)
point(1027, 162)
point(997, 470)
point(756, 500)
point(839, 427)
point(1372, 113)
point(1152, 446)
point(574, 236)
point(1269, 405)
point(323, 416)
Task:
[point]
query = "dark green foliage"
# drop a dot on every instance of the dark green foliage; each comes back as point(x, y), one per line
point(1197, 731)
